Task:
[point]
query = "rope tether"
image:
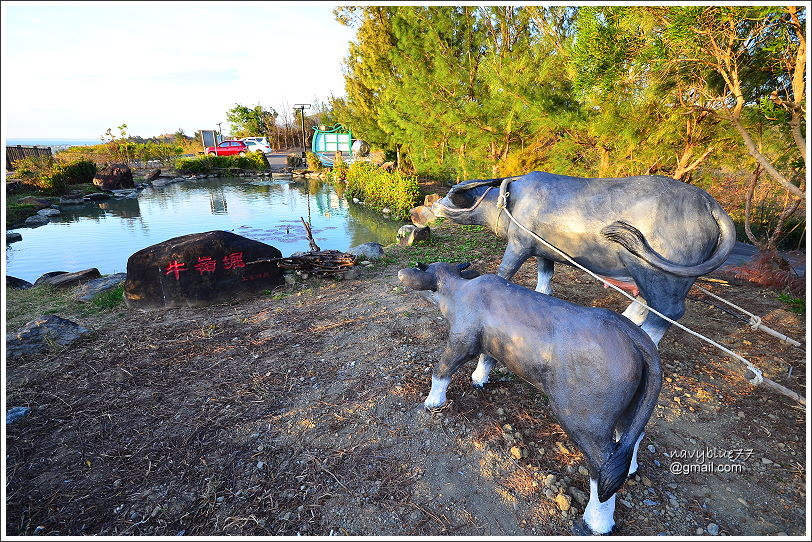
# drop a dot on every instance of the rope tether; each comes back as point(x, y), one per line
point(758, 376)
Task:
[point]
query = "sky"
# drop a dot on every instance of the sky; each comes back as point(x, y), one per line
point(75, 69)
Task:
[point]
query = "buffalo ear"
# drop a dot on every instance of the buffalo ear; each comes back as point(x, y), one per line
point(417, 279)
point(466, 272)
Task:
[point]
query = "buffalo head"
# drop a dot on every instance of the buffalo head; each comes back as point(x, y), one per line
point(427, 277)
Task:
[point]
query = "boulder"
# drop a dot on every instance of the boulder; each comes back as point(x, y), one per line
point(422, 215)
point(360, 148)
point(97, 196)
point(200, 269)
point(13, 237)
point(13, 283)
point(36, 220)
point(49, 212)
point(152, 175)
point(431, 199)
point(47, 275)
point(36, 336)
point(36, 202)
point(367, 251)
point(72, 198)
point(92, 288)
point(66, 280)
point(114, 176)
point(410, 234)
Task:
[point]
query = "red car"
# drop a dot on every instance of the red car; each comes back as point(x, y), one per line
point(228, 148)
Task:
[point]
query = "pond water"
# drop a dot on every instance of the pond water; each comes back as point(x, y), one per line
point(104, 234)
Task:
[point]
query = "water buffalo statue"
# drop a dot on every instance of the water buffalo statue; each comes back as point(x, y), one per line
point(600, 372)
point(655, 232)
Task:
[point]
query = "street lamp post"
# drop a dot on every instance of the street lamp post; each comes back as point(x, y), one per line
point(301, 108)
point(220, 130)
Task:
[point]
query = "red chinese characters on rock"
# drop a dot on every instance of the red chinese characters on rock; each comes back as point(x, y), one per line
point(208, 265)
point(233, 260)
point(175, 267)
point(205, 265)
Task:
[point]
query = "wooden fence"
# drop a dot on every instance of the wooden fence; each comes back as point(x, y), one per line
point(18, 152)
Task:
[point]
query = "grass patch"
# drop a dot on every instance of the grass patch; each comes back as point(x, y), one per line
point(451, 242)
point(795, 304)
point(23, 306)
point(109, 300)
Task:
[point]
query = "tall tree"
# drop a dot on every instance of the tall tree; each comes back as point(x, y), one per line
point(251, 121)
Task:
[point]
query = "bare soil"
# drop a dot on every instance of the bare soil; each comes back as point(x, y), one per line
point(302, 413)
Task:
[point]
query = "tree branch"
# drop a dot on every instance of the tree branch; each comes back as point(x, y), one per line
point(761, 159)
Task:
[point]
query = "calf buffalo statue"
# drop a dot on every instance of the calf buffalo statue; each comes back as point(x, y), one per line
point(654, 231)
point(600, 371)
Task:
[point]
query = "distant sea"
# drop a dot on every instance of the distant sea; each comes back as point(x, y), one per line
point(52, 142)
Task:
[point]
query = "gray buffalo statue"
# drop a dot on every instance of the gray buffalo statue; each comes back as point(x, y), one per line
point(655, 232)
point(600, 371)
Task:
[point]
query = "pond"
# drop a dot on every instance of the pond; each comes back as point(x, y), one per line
point(104, 234)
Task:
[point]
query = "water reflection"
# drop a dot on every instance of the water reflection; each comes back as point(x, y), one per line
point(104, 234)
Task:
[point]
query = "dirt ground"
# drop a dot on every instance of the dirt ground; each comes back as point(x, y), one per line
point(302, 414)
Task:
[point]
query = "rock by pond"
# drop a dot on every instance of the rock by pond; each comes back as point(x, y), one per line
point(13, 237)
point(36, 336)
point(114, 176)
point(91, 289)
point(369, 251)
point(36, 220)
point(410, 234)
point(66, 280)
point(17, 284)
point(200, 269)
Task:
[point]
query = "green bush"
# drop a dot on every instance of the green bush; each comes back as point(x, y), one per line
point(253, 161)
point(313, 162)
point(77, 172)
point(378, 189)
point(42, 174)
point(339, 171)
point(31, 168)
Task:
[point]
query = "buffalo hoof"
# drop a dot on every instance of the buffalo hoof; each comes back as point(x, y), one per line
point(580, 528)
point(478, 385)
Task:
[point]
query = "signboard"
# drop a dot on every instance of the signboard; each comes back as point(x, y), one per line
point(210, 138)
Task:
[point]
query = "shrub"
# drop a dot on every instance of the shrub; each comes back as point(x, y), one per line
point(339, 171)
point(42, 174)
point(31, 168)
point(77, 172)
point(313, 162)
point(378, 189)
point(204, 164)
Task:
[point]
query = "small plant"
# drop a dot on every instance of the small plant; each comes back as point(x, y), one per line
point(796, 304)
point(339, 171)
point(313, 162)
point(110, 299)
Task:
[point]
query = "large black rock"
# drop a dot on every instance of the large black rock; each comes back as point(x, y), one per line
point(200, 269)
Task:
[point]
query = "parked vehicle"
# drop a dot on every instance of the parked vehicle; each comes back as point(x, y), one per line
point(228, 148)
point(262, 140)
point(255, 146)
